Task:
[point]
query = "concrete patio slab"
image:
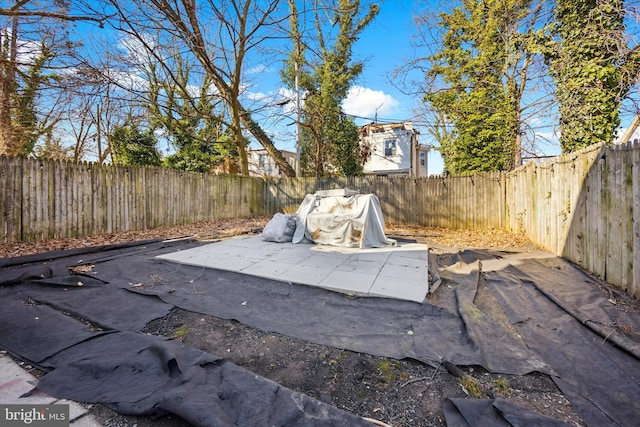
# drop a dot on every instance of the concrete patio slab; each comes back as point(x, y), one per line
point(15, 382)
point(399, 272)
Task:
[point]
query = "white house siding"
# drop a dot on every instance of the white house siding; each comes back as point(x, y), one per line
point(390, 162)
point(261, 164)
point(422, 160)
point(406, 159)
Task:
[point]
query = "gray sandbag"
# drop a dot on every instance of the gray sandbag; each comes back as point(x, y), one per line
point(280, 228)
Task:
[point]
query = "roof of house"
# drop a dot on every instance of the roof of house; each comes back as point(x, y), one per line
point(386, 127)
point(631, 130)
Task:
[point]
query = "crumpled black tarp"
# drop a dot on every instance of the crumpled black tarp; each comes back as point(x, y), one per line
point(595, 375)
point(153, 376)
point(493, 413)
point(384, 327)
point(31, 324)
point(559, 313)
point(43, 321)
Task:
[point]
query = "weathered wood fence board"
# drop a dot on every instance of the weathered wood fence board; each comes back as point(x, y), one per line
point(584, 206)
point(635, 191)
point(452, 202)
point(42, 200)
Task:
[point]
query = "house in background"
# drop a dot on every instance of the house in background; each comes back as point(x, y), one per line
point(393, 149)
point(261, 164)
point(632, 133)
point(390, 149)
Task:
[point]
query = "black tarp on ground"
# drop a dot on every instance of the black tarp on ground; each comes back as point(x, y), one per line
point(26, 329)
point(595, 376)
point(378, 326)
point(31, 324)
point(104, 305)
point(493, 413)
point(153, 375)
point(547, 300)
point(46, 322)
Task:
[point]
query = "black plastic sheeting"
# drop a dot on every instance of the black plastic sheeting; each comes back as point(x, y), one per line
point(153, 375)
point(566, 327)
point(493, 413)
point(378, 326)
point(85, 332)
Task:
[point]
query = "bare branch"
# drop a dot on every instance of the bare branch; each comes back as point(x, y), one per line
point(53, 15)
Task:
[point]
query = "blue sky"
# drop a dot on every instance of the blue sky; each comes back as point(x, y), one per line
point(385, 46)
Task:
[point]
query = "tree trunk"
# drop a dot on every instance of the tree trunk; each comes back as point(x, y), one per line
point(265, 141)
point(8, 144)
point(518, 150)
point(244, 157)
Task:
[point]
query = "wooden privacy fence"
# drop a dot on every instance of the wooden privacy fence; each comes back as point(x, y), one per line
point(475, 201)
point(584, 206)
point(45, 199)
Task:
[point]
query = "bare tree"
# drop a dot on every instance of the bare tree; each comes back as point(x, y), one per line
point(36, 57)
point(220, 35)
point(38, 9)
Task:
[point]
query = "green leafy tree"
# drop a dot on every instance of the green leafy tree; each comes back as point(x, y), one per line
point(26, 126)
point(202, 157)
point(479, 77)
point(193, 122)
point(593, 69)
point(329, 139)
point(348, 152)
point(131, 146)
point(444, 135)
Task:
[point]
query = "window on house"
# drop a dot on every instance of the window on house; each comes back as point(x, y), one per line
point(262, 160)
point(422, 159)
point(390, 147)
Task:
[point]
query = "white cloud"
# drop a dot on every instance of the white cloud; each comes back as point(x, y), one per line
point(128, 81)
point(258, 69)
point(285, 94)
point(136, 48)
point(365, 102)
point(255, 96)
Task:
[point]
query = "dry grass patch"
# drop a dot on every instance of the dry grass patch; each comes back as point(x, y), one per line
point(489, 238)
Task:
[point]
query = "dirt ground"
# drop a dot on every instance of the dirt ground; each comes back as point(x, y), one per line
point(392, 392)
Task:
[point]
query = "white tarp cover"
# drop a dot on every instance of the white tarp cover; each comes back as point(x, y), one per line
point(353, 221)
